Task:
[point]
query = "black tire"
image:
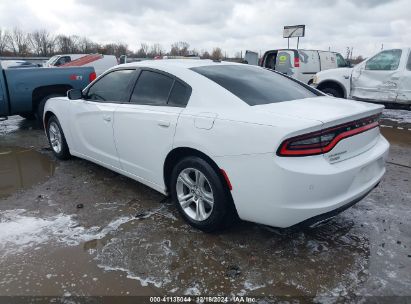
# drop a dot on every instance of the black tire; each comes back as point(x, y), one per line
point(64, 153)
point(223, 213)
point(29, 116)
point(333, 92)
point(40, 108)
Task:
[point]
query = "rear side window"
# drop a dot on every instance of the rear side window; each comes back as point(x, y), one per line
point(112, 87)
point(152, 89)
point(179, 95)
point(255, 86)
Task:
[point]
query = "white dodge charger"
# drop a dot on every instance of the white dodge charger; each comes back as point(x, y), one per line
point(224, 140)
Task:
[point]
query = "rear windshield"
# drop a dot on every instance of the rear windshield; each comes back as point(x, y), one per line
point(255, 86)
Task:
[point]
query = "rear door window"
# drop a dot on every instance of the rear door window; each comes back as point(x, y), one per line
point(179, 95)
point(152, 89)
point(254, 85)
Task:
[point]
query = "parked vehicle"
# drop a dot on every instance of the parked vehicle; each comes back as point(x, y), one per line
point(62, 59)
point(224, 139)
point(302, 64)
point(25, 91)
point(99, 62)
point(385, 77)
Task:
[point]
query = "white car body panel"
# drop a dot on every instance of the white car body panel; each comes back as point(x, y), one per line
point(239, 138)
point(392, 86)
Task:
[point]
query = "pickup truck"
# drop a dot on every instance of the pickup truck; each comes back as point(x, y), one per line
point(25, 91)
point(383, 78)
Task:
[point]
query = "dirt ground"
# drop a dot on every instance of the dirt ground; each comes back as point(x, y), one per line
point(74, 229)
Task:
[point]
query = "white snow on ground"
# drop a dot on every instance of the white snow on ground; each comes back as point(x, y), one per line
point(19, 231)
point(400, 116)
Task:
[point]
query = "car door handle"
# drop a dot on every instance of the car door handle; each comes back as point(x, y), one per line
point(164, 124)
point(107, 118)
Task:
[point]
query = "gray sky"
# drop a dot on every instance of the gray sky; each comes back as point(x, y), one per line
point(233, 25)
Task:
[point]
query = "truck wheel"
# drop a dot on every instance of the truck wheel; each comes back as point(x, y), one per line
point(28, 116)
point(332, 92)
point(57, 139)
point(40, 108)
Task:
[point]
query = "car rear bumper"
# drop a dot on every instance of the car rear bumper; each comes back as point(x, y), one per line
point(283, 192)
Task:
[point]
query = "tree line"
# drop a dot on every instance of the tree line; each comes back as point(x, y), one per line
point(42, 43)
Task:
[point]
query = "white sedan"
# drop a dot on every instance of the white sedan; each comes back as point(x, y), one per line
point(224, 140)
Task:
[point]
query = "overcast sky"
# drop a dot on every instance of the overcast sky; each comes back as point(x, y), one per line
point(233, 25)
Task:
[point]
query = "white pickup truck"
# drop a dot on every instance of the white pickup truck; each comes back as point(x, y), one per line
point(384, 77)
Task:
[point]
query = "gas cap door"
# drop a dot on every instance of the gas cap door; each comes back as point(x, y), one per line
point(205, 120)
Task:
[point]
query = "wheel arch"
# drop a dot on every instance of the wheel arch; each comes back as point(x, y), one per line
point(40, 92)
point(333, 84)
point(179, 153)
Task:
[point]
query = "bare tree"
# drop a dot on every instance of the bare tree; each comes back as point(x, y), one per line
point(4, 38)
point(205, 55)
point(19, 42)
point(156, 50)
point(142, 51)
point(179, 49)
point(42, 43)
point(87, 46)
point(217, 54)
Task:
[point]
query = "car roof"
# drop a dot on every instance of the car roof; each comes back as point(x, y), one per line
point(177, 63)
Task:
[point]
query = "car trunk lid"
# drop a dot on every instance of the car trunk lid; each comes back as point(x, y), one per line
point(336, 116)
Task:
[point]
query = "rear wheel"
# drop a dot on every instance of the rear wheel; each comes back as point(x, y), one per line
point(57, 139)
point(332, 92)
point(200, 195)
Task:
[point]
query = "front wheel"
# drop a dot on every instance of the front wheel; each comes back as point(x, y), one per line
point(57, 139)
point(200, 195)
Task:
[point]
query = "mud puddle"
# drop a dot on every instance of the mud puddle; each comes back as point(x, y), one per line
point(21, 168)
point(398, 137)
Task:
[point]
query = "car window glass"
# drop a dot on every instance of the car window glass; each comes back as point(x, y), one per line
point(388, 60)
point(111, 87)
point(341, 61)
point(409, 62)
point(152, 89)
point(254, 85)
point(62, 60)
point(179, 95)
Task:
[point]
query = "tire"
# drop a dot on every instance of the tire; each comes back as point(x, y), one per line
point(40, 108)
point(221, 214)
point(332, 92)
point(29, 116)
point(56, 138)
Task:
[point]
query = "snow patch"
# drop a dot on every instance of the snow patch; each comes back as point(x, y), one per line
point(19, 231)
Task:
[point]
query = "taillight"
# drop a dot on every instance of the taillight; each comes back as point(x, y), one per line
point(321, 142)
point(296, 62)
point(92, 76)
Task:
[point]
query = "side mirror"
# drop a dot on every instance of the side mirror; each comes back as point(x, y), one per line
point(74, 94)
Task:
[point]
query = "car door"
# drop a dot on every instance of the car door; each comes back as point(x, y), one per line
point(404, 89)
point(378, 78)
point(144, 128)
point(92, 117)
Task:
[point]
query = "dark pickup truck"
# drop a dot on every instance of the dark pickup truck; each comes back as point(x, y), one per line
point(25, 91)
